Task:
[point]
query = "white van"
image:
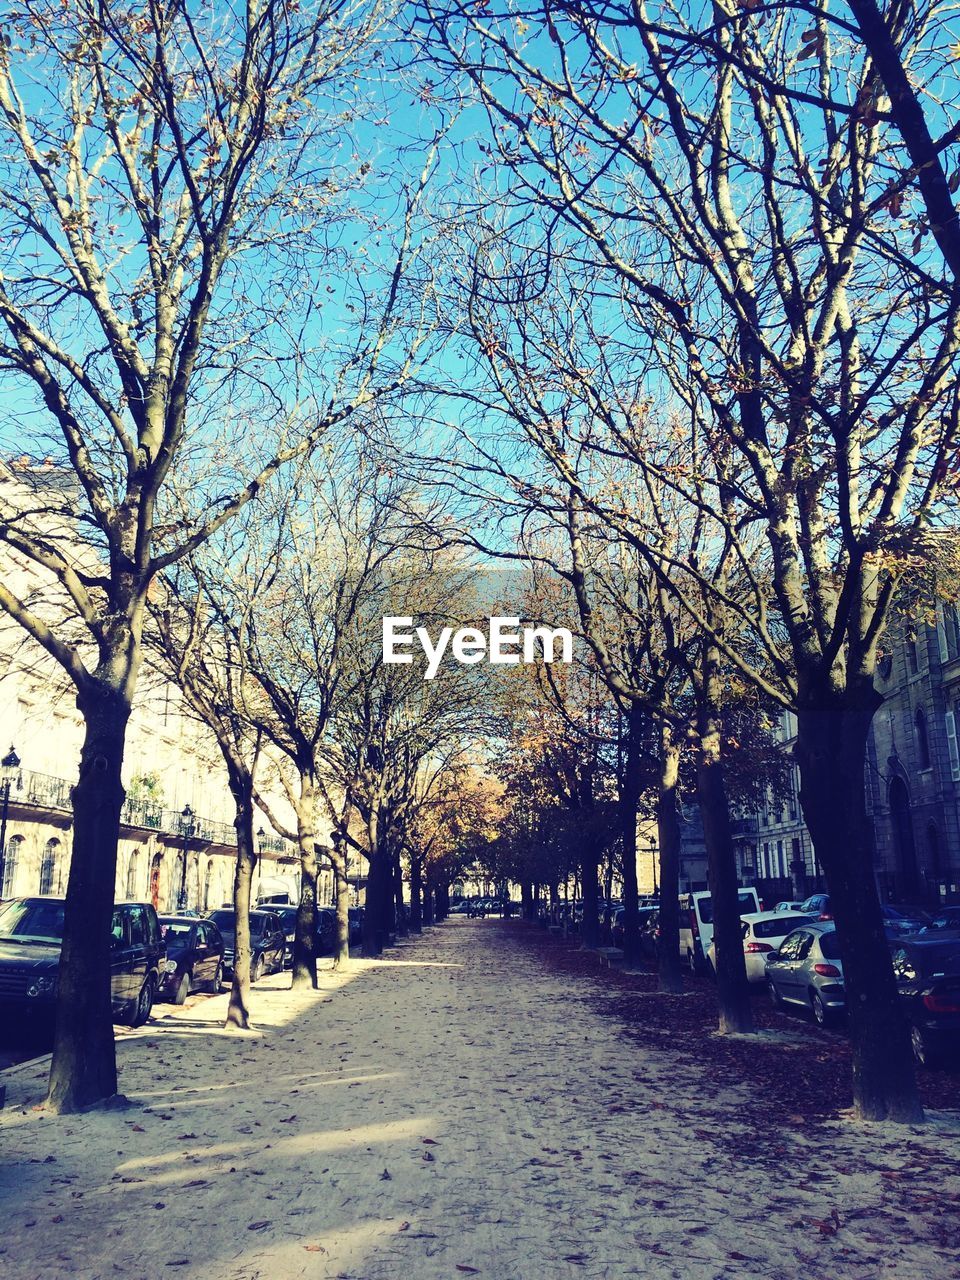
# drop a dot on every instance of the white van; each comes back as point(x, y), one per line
point(696, 924)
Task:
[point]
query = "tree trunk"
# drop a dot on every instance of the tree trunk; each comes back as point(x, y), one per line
point(733, 993)
point(416, 895)
point(831, 746)
point(443, 901)
point(305, 932)
point(526, 900)
point(398, 907)
point(428, 915)
point(338, 860)
point(629, 804)
point(83, 1071)
point(238, 1010)
point(668, 838)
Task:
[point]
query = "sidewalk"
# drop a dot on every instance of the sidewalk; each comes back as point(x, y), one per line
point(452, 1109)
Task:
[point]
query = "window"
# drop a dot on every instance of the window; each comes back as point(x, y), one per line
point(952, 750)
point(139, 930)
point(11, 864)
point(50, 868)
point(780, 870)
point(790, 946)
point(133, 871)
point(923, 741)
point(803, 948)
point(913, 664)
point(116, 930)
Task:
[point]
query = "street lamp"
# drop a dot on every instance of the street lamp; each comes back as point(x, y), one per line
point(187, 827)
point(9, 768)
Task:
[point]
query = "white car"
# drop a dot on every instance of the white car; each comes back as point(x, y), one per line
point(696, 924)
point(763, 931)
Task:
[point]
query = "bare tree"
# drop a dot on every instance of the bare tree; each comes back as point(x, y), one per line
point(163, 204)
point(743, 244)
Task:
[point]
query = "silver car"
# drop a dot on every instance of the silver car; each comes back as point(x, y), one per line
point(807, 971)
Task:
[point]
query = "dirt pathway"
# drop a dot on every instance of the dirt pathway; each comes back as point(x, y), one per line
point(453, 1109)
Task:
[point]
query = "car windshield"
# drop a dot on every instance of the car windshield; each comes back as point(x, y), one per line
point(33, 921)
point(224, 920)
point(176, 932)
point(777, 928)
point(830, 945)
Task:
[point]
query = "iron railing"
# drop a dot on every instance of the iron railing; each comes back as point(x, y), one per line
point(44, 791)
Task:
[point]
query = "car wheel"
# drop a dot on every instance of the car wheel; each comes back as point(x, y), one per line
point(923, 1053)
point(820, 1014)
point(144, 1005)
point(257, 973)
point(183, 990)
point(775, 997)
point(216, 986)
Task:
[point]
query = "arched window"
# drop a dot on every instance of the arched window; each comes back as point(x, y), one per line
point(133, 874)
point(50, 868)
point(207, 884)
point(923, 741)
point(11, 864)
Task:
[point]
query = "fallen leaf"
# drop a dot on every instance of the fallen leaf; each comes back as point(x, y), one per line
point(462, 1266)
point(258, 1226)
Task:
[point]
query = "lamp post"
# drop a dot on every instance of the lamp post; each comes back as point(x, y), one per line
point(653, 867)
point(9, 768)
point(187, 827)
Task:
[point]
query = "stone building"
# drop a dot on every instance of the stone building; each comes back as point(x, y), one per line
point(177, 839)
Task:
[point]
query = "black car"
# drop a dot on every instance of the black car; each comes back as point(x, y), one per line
point(927, 970)
point(194, 958)
point(356, 925)
point(286, 913)
point(31, 935)
point(326, 930)
point(616, 929)
point(267, 941)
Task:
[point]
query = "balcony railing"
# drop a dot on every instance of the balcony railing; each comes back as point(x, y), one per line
point(46, 792)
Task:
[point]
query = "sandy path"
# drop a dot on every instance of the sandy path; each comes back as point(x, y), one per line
point(453, 1107)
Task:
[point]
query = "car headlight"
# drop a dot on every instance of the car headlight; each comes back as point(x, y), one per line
point(169, 966)
point(42, 986)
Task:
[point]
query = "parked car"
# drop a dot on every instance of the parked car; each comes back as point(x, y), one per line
point(904, 919)
point(792, 907)
point(818, 904)
point(326, 930)
point(696, 923)
point(356, 925)
point(31, 936)
point(267, 941)
point(194, 958)
point(927, 970)
point(807, 970)
point(616, 929)
point(763, 931)
point(286, 913)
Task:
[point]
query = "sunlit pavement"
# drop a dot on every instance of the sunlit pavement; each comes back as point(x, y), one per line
point(451, 1109)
